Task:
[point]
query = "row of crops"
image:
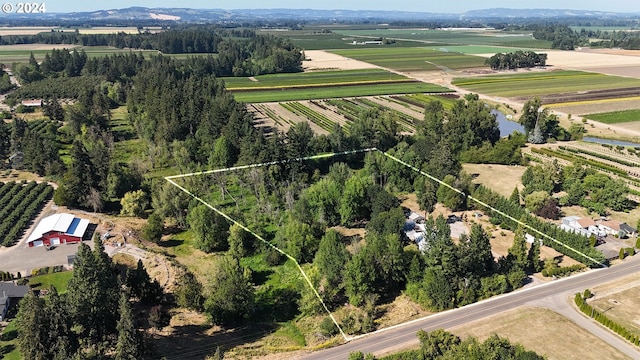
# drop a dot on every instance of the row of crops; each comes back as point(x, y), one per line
point(315, 117)
point(40, 126)
point(19, 203)
point(349, 109)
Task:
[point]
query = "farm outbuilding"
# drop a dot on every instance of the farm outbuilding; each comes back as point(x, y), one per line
point(58, 229)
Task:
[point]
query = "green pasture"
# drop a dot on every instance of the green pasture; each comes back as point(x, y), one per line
point(616, 117)
point(327, 92)
point(523, 83)
point(455, 37)
point(414, 59)
point(20, 55)
point(311, 78)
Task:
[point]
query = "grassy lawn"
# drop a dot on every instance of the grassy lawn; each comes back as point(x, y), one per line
point(543, 83)
point(311, 78)
point(622, 307)
point(337, 92)
point(414, 59)
point(615, 117)
point(9, 344)
point(59, 280)
point(543, 331)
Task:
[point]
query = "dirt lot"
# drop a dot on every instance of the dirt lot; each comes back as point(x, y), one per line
point(322, 60)
point(544, 332)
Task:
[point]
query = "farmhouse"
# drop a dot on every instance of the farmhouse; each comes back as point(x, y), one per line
point(600, 228)
point(58, 229)
point(10, 292)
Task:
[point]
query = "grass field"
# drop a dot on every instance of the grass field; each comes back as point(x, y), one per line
point(11, 53)
point(508, 176)
point(326, 92)
point(311, 78)
point(414, 59)
point(481, 49)
point(58, 280)
point(543, 83)
point(455, 37)
point(310, 40)
point(127, 145)
point(543, 331)
point(616, 117)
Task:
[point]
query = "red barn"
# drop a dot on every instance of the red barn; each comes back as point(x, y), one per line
point(58, 229)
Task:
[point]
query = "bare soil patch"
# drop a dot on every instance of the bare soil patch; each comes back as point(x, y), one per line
point(323, 60)
point(543, 331)
point(500, 178)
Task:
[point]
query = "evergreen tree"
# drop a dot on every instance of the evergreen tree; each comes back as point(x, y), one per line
point(92, 294)
point(232, 294)
point(330, 261)
point(188, 292)
point(129, 345)
point(515, 196)
point(518, 251)
point(33, 329)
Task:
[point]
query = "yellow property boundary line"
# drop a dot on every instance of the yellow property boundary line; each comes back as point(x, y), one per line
point(171, 179)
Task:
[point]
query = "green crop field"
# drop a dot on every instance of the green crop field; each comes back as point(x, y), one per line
point(525, 83)
point(481, 49)
point(414, 59)
point(328, 92)
point(455, 37)
point(312, 78)
point(616, 117)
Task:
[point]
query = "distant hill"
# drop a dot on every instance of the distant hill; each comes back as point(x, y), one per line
point(239, 15)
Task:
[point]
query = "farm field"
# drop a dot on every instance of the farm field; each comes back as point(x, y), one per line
point(481, 49)
point(529, 84)
point(312, 78)
point(317, 40)
point(455, 36)
point(324, 115)
point(414, 59)
point(21, 53)
point(543, 331)
point(586, 107)
point(24, 30)
point(615, 117)
point(325, 92)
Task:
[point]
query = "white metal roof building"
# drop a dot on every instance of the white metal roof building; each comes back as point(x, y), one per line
point(58, 229)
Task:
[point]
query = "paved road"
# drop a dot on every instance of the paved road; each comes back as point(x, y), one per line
point(405, 335)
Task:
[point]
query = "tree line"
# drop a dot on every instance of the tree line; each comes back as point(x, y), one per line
point(516, 60)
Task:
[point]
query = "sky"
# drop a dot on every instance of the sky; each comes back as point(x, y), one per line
point(455, 6)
